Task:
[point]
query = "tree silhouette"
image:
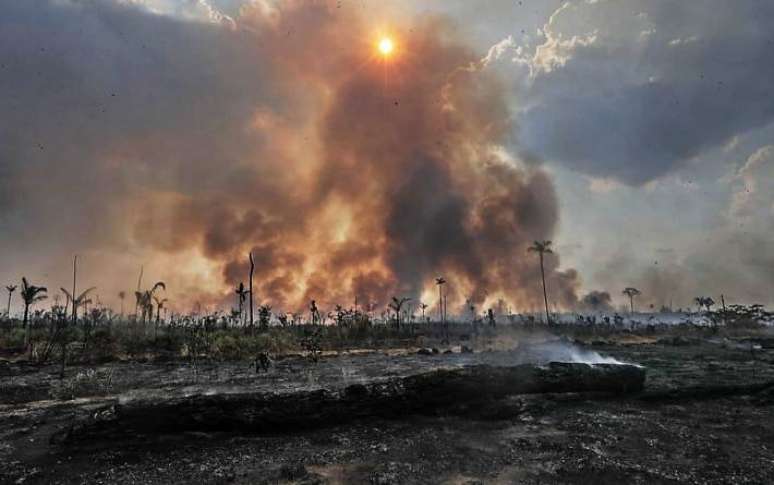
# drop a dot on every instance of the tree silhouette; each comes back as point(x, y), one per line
point(264, 316)
point(241, 298)
point(631, 293)
point(252, 269)
point(704, 302)
point(82, 300)
point(542, 248)
point(31, 294)
point(423, 307)
point(159, 305)
point(145, 300)
point(708, 303)
point(396, 305)
point(11, 289)
point(441, 313)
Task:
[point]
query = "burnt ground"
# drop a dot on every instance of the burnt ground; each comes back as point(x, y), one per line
point(705, 416)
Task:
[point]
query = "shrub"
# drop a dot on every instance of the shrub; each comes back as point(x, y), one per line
point(13, 339)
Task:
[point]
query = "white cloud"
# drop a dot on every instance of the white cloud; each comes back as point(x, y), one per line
point(754, 195)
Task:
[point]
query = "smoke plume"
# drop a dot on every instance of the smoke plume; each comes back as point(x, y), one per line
point(185, 145)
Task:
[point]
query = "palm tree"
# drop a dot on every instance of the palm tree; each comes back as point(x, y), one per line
point(704, 302)
point(252, 268)
point(631, 293)
point(423, 307)
point(440, 282)
point(31, 295)
point(542, 248)
point(396, 305)
point(159, 305)
point(82, 300)
point(145, 299)
point(11, 289)
point(242, 296)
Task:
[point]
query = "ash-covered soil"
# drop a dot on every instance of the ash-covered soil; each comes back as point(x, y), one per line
point(705, 416)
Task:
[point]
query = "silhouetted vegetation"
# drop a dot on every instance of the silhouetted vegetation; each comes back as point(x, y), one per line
point(542, 248)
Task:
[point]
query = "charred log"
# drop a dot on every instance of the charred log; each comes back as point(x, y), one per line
point(431, 391)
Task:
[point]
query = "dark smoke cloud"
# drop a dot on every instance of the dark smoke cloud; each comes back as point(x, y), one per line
point(138, 137)
point(632, 90)
point(596, 301)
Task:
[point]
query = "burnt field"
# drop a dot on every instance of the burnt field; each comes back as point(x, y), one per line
point(494, 415)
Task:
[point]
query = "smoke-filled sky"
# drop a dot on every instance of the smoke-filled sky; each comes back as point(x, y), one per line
point(180, 135)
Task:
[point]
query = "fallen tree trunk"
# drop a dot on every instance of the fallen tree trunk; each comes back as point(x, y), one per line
point(266, 411)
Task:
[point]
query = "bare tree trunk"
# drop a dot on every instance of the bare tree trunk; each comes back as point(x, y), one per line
point(446, 317)
point(252, 268)
point(631, 304)
point(75, 320)
point(26, 325)
point(545, 294)
point(440, 303)
point(723, 302)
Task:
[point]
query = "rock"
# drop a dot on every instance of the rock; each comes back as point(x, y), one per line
point(424, 351)
point(466, 350)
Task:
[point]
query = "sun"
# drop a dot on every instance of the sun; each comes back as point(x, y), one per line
point(385, 46)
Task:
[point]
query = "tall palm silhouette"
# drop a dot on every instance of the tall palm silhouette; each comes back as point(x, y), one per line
point(423, 307)
point(542, 248)
point(11, 289)
point(441, 313)
point(81, 300)
point(396, 305)
point(252, 269)
point(31, 294)
point(631, 293)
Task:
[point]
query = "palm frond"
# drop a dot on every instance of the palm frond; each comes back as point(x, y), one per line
point(86, 292)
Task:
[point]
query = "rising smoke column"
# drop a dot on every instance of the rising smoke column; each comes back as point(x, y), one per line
point(185, 145)
point(408, 180)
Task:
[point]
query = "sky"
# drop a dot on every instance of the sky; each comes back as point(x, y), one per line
point(179, 135)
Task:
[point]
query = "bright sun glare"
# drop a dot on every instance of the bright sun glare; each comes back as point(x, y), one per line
point(386, 46)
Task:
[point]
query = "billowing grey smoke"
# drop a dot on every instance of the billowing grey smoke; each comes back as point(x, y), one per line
point(132, 138)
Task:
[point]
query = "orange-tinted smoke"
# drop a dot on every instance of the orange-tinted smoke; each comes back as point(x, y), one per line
point(372, 177)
